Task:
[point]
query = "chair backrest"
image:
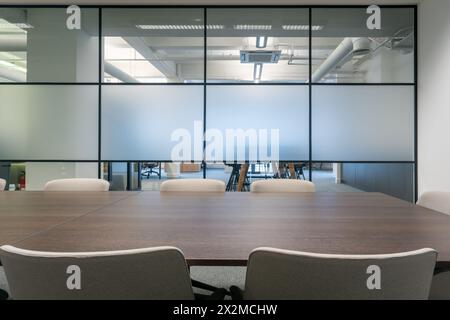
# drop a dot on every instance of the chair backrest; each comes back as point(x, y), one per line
point(436, 200)
point(2, 184)
point(281, 274)
point(193, 185)
point(151, 273)
point(77, 184)
point(282, 186)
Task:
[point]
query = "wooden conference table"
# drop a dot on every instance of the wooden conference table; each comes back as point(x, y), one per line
point(221, 229)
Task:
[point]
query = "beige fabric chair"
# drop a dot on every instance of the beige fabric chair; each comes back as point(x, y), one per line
point(282, 186)
point(438, 201)
point(78, 184)
point(193, 185)
point(282, 274)
point(153, 273)
point(2, 185)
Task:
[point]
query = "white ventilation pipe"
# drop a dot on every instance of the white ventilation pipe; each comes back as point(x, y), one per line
point(119, 74)
point(347, 48)
point(12, 75)
point(13, 43)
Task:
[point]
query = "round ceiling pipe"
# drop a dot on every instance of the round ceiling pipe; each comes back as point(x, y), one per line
point(345, 50)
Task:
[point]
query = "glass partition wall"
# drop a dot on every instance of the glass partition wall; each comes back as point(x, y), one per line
point(136, 95)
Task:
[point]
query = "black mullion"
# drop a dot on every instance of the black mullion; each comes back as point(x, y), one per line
point(310, 94)
point(310, 7)
point(416, 121)
point(362, 84)
point(100, 78)
point(205, 43)
point(139, 6)
point(129, 175)
point(209, 84)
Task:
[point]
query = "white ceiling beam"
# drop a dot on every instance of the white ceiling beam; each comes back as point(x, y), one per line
point(167, 68)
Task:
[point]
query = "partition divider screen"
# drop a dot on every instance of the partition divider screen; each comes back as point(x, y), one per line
point(313, 86)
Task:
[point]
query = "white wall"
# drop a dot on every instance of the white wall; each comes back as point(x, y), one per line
point(389, 66)
point(39, 173)
point(434, 95)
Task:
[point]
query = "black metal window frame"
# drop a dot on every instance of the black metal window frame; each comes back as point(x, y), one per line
point(205, 84)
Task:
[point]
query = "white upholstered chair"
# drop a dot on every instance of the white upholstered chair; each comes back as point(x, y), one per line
point(282, 186)
point(158, 273)
point(193, 185)
point(2, 185)
point(438, 201)
point(77, 184)
point(282, 274)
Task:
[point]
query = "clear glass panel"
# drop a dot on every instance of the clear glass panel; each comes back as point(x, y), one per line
point(394, 179)
point(154, 173)
point(153, 45)
point(37, 46)
point(49, 122)
point(152, 122)
point(363, 123)
point(346, 50)
point(258, 45)
point(253, 171)
point(257, 123)
point(32, 176)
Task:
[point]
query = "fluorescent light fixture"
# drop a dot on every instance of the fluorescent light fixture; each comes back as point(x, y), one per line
point(252, 27)
point(261, 42)
point(257, 71)
point(179, 26)
point(17, 25)
point(300, 27)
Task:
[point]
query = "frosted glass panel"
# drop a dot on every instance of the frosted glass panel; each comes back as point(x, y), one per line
point(255, 109)
point(138, 122)
point(40, 122)
point(359, 123)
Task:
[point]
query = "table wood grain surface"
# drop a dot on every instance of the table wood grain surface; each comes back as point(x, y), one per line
point(221, 229)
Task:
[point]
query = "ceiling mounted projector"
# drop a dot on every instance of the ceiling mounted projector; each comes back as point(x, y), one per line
point(260, 56)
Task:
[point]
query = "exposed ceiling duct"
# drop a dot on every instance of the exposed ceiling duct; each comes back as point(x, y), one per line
point(11, 43)
point(117, 73)
point(348, 48)
point(12, 75)
point(167, 68)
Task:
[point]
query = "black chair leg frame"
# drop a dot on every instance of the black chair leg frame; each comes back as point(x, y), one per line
point(217, 293)
point(236, 293)
point(3, 295)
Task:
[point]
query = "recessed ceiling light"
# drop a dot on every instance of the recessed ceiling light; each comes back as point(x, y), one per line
point(252, 27)
point(300, 27)
point(178, 26)
point(261, 42)
point(257, 71)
